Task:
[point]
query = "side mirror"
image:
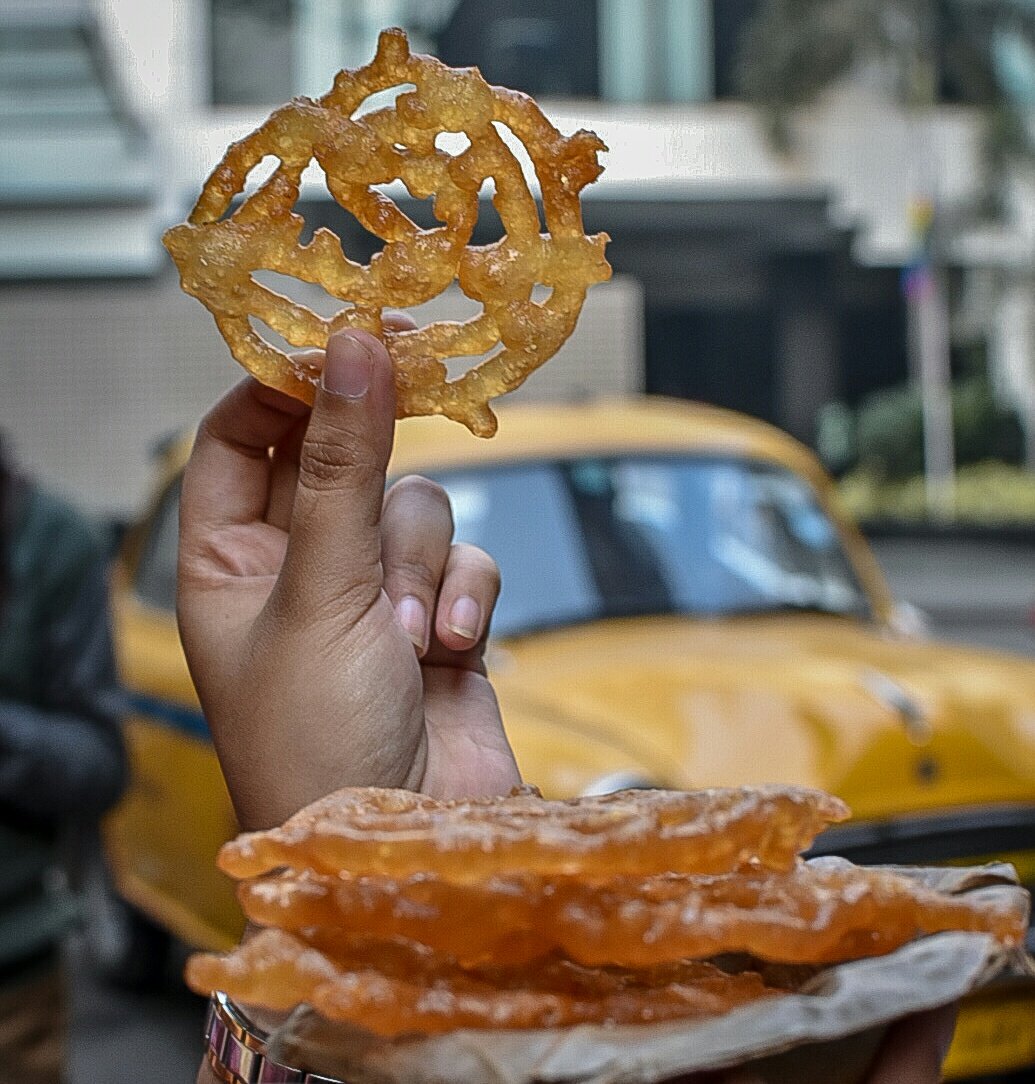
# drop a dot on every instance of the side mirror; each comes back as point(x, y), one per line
point(909, 621)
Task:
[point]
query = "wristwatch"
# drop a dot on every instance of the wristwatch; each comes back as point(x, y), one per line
point(235, 1048)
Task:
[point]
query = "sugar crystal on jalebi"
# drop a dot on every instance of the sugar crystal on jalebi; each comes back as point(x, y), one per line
point(809, 914)
point(635, 832)
point(280, 971)
point(399, 913)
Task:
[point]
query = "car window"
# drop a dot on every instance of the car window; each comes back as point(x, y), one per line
point(779, 546)
point(155, 581)
point(613, 536)
point(525, 517)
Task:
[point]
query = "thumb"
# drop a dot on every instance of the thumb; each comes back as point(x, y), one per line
point(333, 559)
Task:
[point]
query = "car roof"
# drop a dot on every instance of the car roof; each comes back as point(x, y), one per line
point(637, 424)
point(534, 431)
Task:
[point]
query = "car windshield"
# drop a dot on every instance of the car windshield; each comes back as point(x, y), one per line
point(616, 536)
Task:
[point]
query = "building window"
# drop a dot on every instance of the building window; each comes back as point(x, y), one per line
point(252, 51)
point(983, 60)
point(264, 52)
point(547, 48)
point(656, 50)
point(731, 18)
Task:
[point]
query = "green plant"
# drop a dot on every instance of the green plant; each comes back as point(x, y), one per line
point(889, 430)
point(889, 433)
point(985, 493)
point(982, 428)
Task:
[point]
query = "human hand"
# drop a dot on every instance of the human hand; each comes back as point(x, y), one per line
point(334, 632)
point(912, 1053)
point(914, 1048)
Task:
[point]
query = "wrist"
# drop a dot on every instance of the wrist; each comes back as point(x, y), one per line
point(236, 1051)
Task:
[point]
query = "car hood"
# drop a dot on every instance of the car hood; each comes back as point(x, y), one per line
point(889, 724)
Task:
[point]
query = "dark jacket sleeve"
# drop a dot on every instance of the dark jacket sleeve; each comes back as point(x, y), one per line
point(65, 759)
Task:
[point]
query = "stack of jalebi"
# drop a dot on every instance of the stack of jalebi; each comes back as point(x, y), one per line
point(402, 914)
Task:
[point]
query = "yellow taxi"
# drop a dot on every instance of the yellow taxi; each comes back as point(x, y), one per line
point(683, 605)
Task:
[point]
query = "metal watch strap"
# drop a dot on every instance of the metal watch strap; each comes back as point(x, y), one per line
point(236, 1050)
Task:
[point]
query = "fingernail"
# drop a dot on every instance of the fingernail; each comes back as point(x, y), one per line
point(465, 616)
point(414, 620)
point(347, 368)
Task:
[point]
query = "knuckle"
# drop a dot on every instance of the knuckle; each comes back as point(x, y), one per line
point(319, 606)
point(474, 562)
point(415, 576)
point(351, 601)
point(327, 464)
point(416, 489)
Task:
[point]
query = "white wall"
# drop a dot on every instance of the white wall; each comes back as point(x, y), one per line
point(872, 157)
point(92, 375)
point(159, 49)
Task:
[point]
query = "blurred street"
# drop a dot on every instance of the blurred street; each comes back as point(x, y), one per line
point(972, 592)
point(981, 593)
point(119, 1037)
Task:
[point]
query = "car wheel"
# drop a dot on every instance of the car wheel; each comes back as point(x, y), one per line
point(122, 944)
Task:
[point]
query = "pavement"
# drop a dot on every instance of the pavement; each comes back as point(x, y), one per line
point(979, 593)
point(118, 1037)
point(962, 580)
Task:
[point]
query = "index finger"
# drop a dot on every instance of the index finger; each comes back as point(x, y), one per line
point(227, 479)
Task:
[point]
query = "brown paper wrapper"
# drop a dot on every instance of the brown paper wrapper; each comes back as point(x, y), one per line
point(826, 1033)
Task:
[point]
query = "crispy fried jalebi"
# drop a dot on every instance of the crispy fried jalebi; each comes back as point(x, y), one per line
point(636, 832)
point(808, 915)
point(400, 913)
point(400, 958)
point(216, 255)
point(449, 918)
point(279, 971)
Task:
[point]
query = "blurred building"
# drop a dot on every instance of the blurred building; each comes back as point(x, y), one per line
point(766, 284)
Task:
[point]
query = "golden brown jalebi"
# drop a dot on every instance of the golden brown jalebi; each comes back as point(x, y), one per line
point(807, 915)
point(635, 832)
point(280, 971)
point(399, 913)
point(217, 255)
